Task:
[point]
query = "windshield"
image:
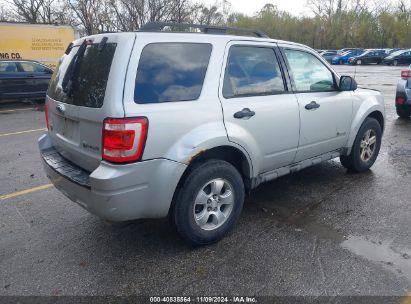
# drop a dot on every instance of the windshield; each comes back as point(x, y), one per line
point(81, 76)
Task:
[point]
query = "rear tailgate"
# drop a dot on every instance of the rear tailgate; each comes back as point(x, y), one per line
point(86, 88)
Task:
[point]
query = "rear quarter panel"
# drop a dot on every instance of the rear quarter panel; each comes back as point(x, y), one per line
point(180, 130)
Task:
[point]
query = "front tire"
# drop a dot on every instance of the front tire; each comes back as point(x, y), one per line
point(365, 148)
point(395, 62)
point(209, 202)
point(341, 62)
point(359, 62)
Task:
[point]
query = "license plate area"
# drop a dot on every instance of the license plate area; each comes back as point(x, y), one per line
point(68, 129)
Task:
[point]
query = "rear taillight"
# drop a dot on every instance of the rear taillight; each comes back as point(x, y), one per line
point(46, 114)
point(399, 100)
point(124, 139)
point(405, 74)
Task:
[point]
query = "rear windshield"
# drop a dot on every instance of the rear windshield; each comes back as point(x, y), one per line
point(81, 76)
point(170, 72)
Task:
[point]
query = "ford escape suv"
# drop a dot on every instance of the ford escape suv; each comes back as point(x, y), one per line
point(151, 124)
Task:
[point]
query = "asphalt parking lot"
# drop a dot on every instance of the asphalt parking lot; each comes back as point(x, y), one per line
point(321, 231)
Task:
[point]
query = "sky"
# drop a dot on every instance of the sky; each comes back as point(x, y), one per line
point(295, 7)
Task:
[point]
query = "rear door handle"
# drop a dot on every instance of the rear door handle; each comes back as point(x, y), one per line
point(312, 105)
point(244, 113)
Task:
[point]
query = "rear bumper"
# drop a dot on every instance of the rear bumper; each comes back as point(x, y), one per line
point(403, 90)
point(115, 192)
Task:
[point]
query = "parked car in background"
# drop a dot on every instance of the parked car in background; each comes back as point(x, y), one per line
point(23, 79)
point(342, 51)
point(370, 56)
point(328, 55)
point(403, 94)
point(115, 97)
point(390, 51)
point(398, 57)
point(343, 58)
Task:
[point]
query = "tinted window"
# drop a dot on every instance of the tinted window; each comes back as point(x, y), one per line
point(252, 71)
point(81, 76)
point(309, 73)
point(8, 67)
point(170, 72)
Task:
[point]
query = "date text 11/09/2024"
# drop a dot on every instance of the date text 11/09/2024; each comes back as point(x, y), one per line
point(199, 299)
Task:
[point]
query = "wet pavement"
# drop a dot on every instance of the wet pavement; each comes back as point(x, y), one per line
point(321, 231)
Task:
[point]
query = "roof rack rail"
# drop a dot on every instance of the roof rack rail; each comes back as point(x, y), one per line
point(207, 29)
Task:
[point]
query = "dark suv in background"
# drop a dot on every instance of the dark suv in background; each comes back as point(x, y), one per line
point(370, 56)
point(23, 79)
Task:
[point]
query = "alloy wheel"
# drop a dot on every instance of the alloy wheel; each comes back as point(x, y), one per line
point(213, 204)
point(368, 144)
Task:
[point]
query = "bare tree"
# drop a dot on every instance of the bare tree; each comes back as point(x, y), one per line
point(27, 10)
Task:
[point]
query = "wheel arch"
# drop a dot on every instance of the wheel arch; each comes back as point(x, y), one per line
point(234, 155)
point(377, 115)
point(375, 112)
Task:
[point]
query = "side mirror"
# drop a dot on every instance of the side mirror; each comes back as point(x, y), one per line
point(347, 83)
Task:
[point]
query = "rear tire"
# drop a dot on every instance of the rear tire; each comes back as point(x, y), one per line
point(209, 202)
point(395, 63)
point(404, 112)
point(340, 62)
point(366, 147)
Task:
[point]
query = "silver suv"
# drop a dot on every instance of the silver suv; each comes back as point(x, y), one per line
point(153, 124)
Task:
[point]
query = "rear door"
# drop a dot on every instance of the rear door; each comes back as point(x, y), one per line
point(38, 76)
point(260, 112)
point(87, 87)
point(13, 83)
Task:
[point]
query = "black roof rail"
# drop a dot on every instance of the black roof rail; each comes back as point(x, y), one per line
point(207, 29)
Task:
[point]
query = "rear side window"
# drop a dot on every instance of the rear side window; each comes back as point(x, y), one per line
point(252, 71)
point(170, 72)
point(81, 76)
point(8, 67)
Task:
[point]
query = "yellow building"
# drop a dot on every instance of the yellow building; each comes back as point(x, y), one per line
point(42, 42)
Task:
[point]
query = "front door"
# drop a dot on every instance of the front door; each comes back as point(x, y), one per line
point(325, 112)
point(260, 113)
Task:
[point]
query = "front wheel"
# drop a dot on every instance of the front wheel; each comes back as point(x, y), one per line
point(341, 62)
point(209, 202)
point(359, 62)
point(395, 62)
point(366, 147)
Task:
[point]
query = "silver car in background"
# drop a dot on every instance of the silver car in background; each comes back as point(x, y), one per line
point(403, 94)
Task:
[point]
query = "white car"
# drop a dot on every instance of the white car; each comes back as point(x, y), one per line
point(151, 124)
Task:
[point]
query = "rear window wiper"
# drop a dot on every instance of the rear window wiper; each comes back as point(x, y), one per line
point(72, 71)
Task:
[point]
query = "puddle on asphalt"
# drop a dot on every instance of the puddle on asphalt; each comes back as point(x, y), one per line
point(380, 252)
